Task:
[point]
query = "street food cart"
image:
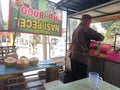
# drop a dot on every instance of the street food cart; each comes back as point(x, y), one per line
point(100, 11)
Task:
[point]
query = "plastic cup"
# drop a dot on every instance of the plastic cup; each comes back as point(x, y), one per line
point(94, 80)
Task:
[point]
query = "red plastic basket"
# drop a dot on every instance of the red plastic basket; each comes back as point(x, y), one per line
point(113, 56)
point(105, 47)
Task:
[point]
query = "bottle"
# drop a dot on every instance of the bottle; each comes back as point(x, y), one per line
point(98, 46)
point(97, 49)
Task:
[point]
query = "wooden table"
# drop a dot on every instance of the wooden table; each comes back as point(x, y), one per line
point(45, 64)
point(82, 85)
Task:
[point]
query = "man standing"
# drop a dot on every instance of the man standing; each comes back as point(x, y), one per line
point(81, 39)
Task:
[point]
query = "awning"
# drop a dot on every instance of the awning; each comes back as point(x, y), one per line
point(100, 10)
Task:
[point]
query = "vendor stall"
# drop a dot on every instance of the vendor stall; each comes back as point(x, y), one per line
point(30, 17)
point(12, 78)
point(106, 61)
point(100, 11)
point(108, 69)
point(39, 17)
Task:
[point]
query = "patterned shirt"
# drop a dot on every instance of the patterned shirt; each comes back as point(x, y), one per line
point(81, 39)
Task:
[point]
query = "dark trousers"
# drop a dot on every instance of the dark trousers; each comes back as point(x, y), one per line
point(78, 69)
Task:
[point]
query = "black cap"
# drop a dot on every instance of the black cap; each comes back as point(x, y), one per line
point(86, 16)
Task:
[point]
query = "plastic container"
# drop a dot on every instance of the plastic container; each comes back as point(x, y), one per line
point(114, 56)
point(93, 43)
point(104, 48)
point(95, 48)
point(94, 52)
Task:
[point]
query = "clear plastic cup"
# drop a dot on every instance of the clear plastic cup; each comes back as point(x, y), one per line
point(94, 80)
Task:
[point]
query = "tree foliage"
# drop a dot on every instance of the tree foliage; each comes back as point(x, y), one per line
point(111, 27)
point(94, 27)
point(36, 39)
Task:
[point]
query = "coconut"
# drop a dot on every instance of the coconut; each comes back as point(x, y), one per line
point(9, 62)
point(23, 57)
point(22, 63)
point(33, 61)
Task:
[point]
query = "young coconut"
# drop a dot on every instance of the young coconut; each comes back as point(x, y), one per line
point(33, 61)
point(9, 62)
point(23, 57)
point(22, 63)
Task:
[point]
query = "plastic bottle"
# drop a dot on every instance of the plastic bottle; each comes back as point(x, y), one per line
point(98, 46)
point(97, 49)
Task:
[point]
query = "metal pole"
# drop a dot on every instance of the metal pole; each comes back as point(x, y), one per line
point(16, 26)
point(44, 48)
point(67, 29)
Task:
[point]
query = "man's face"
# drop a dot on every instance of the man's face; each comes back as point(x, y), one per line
point(88, 22)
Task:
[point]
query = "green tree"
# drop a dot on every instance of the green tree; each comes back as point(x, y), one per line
point(94, 27)
point(6, 25)
point(111, 27)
